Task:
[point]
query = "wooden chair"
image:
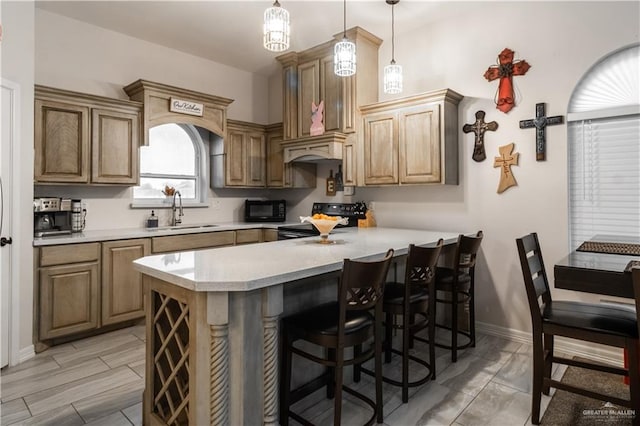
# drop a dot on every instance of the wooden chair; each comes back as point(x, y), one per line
point(335, 326)
point(459, 283)
point(591, 322)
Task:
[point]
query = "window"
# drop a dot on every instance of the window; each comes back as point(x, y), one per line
point(173, 158)
point(604, 150)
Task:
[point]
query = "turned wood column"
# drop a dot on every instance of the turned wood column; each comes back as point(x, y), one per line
point(218, 320)
point(272, 305)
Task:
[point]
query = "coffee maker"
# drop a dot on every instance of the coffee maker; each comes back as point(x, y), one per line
point(51, 216)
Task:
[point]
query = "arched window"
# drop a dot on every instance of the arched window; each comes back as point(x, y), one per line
point(604, 149)
point(174, 157)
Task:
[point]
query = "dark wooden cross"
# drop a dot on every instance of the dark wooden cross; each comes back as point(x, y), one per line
point(479, 127)
point(540, 123)
point(507, 159)
point(505, 70)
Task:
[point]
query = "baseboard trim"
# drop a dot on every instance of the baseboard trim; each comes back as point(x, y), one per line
point(25, 354)
point(592, 351)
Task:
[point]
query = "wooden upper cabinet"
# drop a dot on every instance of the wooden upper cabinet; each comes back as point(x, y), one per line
point(419, 157)
point(115, 137)
point(411, 140)
point(308, 93)
point(62, 142)
point(381, 149)
point(245, 152)
point(82, 138)
point(308, 76)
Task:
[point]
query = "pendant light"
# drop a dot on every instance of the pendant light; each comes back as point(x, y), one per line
point(276, 28)
point(393, 71)
point(344, 53)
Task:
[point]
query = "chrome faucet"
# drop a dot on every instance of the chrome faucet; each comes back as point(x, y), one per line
point(176, 220)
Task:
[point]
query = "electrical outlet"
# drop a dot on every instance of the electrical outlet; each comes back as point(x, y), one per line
point(349, 190)
point(215, 205)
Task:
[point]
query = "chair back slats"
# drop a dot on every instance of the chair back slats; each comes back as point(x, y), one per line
point(421, 264)
point(540, 285)
point(534, 265)
point(362, 283)
point(534, 274)
point(467, 249)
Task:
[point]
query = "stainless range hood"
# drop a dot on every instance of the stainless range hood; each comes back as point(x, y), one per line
point(313, 148)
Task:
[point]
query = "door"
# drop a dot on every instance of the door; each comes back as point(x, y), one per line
point(380, 149)
point(10, 96)
point(114, 146)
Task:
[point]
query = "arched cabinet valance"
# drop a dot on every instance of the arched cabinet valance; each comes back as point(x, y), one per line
point(198, 109)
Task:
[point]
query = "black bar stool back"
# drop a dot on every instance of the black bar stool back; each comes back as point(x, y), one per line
point(335, 326)
point(414, 297)
point(459, 283)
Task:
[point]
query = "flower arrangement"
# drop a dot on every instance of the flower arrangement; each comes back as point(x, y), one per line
point(169, 190)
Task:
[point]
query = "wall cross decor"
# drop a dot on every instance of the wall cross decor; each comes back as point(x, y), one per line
point(479, 127)
point(507, 159)
point(540, 123)
point(505, 70)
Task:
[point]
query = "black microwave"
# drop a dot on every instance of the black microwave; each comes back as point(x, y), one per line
point(265, 210)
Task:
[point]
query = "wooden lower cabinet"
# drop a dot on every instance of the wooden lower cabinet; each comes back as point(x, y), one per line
point(192, 241)
point(249, 236)
point(122, 293)
point(69, 297)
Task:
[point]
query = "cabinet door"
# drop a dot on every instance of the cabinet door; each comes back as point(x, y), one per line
point(61, 133)
point(115, 137)
point(308, 92)
point(235, 160)
point(68, 299)
point(122, 293)
point(349, 164)
point(275, 160)
point(256, 159)
point(331, 93)
point(419, 144)
point(380, 149)
point(248, 236)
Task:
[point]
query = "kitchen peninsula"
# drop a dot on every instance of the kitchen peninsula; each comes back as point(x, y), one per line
point(212, 319)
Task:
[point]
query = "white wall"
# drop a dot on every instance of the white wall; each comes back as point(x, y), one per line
point(18, 66)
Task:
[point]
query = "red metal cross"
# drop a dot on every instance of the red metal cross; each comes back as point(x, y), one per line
point(505, 70)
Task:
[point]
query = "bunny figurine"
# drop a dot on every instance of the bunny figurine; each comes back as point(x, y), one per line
point(317, 116)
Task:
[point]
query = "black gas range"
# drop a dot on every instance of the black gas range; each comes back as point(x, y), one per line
point(352, 211)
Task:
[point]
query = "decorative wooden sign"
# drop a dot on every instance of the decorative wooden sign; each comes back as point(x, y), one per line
point(479, 127)
point(505, 70)
point(317, 116)
point(540, 123)
point(331, 184)
point(186, 107)
point(507, 159)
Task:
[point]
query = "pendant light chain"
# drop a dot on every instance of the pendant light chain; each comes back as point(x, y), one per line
point(393, 35)
point(344, 52)
point(393, 71)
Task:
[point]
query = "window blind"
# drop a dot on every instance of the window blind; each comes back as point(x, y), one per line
point(604, 178)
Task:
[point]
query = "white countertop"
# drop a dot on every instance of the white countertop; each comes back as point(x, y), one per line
point(128, 233)
point(254, 266)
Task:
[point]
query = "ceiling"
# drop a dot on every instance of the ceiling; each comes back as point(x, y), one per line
point(230, 32)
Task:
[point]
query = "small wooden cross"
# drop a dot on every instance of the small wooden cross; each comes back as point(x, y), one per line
point(479, 127)
point(540, 123)
point(505, 161)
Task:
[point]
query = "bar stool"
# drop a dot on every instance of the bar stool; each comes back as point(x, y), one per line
point(458, 282)
point(415, 296)
point(335, 326)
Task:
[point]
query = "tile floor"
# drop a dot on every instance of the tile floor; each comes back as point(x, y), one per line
point(99, 381)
